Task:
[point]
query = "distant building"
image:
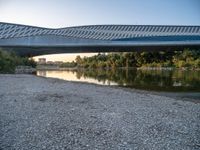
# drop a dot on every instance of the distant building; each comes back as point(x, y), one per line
point(42, 61)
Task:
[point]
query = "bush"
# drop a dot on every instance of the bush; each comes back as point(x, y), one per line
point(9, 60)
point(197, 63)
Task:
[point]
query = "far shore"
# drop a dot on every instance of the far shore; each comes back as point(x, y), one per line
point(56, 67)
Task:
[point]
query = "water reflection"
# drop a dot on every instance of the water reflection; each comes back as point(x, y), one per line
point(156, 80)
point(73, 75)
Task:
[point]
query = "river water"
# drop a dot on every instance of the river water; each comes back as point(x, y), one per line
point(151, 80)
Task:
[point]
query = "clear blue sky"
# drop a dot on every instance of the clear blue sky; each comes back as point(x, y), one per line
point(63, 13)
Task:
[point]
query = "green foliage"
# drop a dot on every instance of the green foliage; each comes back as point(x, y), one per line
point(180, 59)
point(186, 59)
point(28, 62)
point(9, 60)
point(68, 64)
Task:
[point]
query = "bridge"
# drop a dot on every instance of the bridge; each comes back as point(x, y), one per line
point(32, 41)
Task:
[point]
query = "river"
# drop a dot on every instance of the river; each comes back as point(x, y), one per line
point(151, 80)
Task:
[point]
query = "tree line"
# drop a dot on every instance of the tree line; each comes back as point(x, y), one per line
point(178, 59)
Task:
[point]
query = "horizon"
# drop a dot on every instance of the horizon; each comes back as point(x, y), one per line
point(63, 56)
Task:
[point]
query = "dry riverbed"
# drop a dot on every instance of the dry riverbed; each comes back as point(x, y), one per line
point(40, 113)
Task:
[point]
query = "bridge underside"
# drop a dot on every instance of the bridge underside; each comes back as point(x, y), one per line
point(45, 50)
point(41, 45)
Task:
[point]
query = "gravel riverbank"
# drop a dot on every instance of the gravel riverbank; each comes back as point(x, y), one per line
point(40, 113)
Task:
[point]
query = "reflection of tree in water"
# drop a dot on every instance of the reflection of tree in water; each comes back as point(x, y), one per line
point(79, 74)
point(146, 79)
point(154, 77)
point(187, 78)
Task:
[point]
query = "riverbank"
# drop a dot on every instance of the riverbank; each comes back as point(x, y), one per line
point(41, 113)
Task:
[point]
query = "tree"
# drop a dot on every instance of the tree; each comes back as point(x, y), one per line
point(79, 60)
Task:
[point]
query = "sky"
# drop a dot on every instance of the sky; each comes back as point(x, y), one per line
point(64, 13)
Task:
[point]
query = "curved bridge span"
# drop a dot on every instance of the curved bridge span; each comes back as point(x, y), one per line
point(32, 41)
